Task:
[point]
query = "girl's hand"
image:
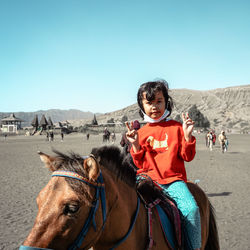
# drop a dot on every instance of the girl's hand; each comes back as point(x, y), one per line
point(132, 136)
point(187, 125)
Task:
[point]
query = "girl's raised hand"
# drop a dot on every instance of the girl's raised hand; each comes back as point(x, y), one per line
point(132, 136)
point(187, 125)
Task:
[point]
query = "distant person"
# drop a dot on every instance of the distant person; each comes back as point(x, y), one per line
point(214, 138)
point(62, 136)
point(113, 137)
point(207, 139)
point(210, 140)
point(51, 135)
point(87, 136)
point(125, 143)
point(223, 141)
point(106, 135)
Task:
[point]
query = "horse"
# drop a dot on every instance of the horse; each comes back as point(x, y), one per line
point(106, 137)
point(92, 202)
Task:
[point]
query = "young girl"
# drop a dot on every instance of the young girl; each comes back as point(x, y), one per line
point(160, 148)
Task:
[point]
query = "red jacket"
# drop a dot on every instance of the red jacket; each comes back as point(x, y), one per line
point(163, 151)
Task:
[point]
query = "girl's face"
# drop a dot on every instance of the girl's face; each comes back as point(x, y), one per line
point(155, 108)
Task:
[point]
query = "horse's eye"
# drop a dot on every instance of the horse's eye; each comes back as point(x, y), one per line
point(70, 209)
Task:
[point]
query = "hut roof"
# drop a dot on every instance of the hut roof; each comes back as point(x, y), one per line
point(50, 123)
point(34, 122)
point(43, 121)
point(12, 117)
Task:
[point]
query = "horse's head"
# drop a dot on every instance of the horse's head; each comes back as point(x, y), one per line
point(73, 210)
point(64, 203)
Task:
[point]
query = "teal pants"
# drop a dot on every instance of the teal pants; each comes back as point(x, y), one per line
point(187, 205)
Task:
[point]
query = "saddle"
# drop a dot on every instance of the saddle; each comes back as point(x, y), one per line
point(152, 196)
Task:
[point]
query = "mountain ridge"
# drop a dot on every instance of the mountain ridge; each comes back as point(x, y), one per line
point(224, 107)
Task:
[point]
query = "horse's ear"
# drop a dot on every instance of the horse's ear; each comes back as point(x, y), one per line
point(92, 168)
point(48, 160)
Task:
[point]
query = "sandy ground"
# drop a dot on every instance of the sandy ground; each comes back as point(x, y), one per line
point(224, 177)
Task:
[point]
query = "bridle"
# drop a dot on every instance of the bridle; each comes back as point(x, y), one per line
point(99, 195)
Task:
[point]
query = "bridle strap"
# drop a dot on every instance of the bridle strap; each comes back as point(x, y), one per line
point(73, 175)
point(22, 247)
point(103, 200)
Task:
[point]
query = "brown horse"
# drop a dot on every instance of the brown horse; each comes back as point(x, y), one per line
point(92, 202)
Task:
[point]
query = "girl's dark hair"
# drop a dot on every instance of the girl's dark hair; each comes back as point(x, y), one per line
point(150, 88)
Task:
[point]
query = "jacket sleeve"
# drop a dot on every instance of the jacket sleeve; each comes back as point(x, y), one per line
point(188, 149)
point(138, 157)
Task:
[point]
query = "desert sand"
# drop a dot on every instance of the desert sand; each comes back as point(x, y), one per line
point(224, 177)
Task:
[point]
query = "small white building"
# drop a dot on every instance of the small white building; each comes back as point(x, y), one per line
point(11, 124)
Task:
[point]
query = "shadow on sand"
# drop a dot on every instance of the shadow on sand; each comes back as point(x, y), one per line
point(219, 194)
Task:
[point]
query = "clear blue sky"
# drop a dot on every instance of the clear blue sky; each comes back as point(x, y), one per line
point(93, 55)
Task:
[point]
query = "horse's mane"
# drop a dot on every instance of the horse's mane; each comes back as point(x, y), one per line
point(111, 158)
point(123, 167)
point(73, 162)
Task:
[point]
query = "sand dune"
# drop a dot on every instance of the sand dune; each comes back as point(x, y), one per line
point(224, 177)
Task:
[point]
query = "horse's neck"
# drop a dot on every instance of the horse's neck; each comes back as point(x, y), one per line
point(121, 205)
point(119, 192)
point(121, 209)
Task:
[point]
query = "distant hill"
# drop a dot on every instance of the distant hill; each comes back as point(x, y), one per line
point(225, 108)
point(55, 114)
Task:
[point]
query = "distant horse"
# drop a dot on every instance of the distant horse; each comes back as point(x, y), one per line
point(93, 202)
point(105, 137)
